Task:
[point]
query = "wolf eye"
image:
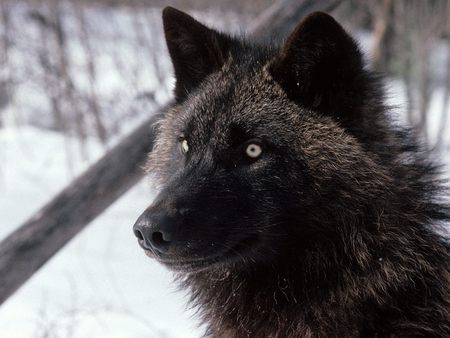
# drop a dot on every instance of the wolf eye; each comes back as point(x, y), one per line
point(184, 146)
point(253, 150)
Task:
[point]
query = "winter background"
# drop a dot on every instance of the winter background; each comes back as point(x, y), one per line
point(76, 76)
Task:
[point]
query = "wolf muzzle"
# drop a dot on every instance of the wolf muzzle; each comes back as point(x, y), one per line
point(156, 231)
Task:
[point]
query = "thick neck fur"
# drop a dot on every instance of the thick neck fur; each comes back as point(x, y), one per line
point(332, 291)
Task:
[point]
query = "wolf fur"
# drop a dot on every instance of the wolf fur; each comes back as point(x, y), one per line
point(334, 230)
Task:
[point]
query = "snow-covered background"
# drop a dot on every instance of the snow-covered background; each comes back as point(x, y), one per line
point(101, 284)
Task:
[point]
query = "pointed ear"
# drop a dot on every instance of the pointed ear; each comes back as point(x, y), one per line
point(320, 66)
point(196, 50)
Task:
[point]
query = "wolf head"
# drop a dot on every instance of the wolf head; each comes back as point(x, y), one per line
point(269, 151)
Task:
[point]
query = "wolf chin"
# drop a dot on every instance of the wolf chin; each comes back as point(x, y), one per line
point(289, 204)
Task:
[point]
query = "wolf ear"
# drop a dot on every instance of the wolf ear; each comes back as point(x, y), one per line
point(319, 66)
point(196, 50)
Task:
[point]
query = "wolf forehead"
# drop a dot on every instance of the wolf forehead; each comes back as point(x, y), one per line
point(239, 102)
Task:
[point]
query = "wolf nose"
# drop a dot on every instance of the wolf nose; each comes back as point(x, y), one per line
point(155, 231)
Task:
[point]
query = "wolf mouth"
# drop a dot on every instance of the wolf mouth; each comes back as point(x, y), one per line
point(238, 251)
point(190, 266)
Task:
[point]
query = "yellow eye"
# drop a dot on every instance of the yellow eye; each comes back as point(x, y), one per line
point(184, 146)
point(253, 150)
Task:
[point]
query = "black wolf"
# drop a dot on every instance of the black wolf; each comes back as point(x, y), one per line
point(288, 203)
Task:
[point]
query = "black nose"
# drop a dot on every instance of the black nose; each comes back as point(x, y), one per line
point(155, 231)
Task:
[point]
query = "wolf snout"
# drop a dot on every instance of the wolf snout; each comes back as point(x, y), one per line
point(156, 231)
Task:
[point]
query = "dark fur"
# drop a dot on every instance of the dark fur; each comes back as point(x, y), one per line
point(332, 232)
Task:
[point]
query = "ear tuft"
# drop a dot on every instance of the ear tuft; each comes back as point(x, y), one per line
point(319, 66)
point(196, 50)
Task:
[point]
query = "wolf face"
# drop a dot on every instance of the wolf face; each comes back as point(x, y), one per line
point(260, 138)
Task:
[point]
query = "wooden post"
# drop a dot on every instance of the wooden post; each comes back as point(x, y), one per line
point(29, 247)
